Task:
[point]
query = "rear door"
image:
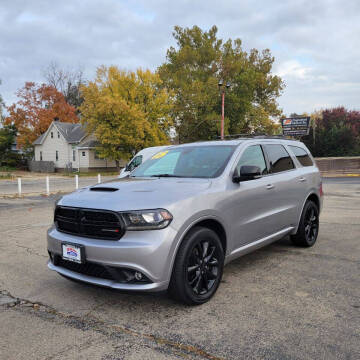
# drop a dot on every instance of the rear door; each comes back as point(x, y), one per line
point(285, 179)
point(308, 176)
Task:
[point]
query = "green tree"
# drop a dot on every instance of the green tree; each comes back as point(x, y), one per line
point(7, 139)
point(334, 132)
point(1, 106)
point(126, 111)
point(193, 70)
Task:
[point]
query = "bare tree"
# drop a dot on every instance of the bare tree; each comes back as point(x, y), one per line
point(66, 81)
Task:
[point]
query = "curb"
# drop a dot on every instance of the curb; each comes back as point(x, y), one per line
point(332, 175)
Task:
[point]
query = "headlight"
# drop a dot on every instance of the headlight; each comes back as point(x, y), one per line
point(147, 219)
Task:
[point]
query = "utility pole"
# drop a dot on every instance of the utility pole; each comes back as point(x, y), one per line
point(222, 91)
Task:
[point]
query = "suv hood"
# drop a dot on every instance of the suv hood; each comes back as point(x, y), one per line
point(136, 194)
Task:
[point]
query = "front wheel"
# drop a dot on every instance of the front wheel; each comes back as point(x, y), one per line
point(308, 227)
point(198, 267)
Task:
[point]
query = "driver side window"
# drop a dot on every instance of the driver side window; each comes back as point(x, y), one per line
point(253, 155)
point(135, 163)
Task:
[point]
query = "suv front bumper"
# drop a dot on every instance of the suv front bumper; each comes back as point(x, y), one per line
point(149, 252)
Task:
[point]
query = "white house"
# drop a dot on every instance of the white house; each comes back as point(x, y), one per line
point(68, 146)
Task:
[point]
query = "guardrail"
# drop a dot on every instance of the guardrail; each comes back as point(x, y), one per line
point(47, 185)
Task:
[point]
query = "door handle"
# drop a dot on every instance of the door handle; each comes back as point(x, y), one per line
point(302, 179)
point(269, 186)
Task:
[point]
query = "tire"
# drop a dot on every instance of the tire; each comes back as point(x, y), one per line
point(308, 229)
point(198, 267)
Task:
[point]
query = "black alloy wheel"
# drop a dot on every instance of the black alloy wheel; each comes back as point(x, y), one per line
point(308, 230)
point(203, 267)
point(198, 267)
point(311, 224)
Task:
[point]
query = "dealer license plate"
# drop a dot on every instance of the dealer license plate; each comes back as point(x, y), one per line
point(71, 252)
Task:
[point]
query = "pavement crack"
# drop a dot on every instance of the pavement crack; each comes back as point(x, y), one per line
point(90, 322)
point(30, 250)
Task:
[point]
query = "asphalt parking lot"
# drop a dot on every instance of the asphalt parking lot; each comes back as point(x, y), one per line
point(279, 302)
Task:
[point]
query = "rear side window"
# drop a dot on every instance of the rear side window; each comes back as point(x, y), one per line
point(302, 156)
point(279, 158)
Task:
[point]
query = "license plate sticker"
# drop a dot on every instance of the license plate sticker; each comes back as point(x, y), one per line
point(71, 252)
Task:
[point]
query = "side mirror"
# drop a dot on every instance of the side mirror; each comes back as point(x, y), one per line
point(247, 172)
point(127, 167)
point(236, 176)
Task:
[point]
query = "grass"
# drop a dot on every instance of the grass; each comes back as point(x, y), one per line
point(6, 176)
point(7, 168)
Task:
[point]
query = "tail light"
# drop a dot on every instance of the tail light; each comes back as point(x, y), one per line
point(321, 189)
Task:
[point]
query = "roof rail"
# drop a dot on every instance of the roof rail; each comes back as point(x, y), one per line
point(255, 136)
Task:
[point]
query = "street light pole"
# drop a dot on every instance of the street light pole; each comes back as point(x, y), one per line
point(222, 114)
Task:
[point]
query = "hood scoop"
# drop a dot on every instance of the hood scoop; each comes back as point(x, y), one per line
point(103, 189)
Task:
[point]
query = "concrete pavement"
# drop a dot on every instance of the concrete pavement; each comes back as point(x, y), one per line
point(280, 302)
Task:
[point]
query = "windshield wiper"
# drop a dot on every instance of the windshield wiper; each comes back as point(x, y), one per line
point(165, 175)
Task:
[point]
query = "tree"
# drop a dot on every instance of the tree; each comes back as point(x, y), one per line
point(36, 108)
point(193, 70)
point(7, 156)
point(1, 106)
point(126, 111)
point(68, 82)
point(334, 132)
point(7, 139)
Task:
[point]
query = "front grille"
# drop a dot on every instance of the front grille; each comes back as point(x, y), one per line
point(99, 224)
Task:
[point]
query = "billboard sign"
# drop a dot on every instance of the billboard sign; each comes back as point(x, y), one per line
point(298, 126)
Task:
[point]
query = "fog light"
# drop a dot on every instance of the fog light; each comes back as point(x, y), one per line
point(138, 275)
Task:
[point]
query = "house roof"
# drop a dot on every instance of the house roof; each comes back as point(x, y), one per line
point(39, 140)
point(90, 144)
point(73, 133)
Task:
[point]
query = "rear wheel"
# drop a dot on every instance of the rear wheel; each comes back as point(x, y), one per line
point(308, 227)
point(198, 267)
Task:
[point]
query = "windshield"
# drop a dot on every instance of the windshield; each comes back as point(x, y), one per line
point(188, 161)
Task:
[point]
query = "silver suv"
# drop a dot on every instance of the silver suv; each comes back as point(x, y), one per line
point(185, 213)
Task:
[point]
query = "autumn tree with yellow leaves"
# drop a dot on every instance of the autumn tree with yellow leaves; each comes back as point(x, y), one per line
point(126, 111)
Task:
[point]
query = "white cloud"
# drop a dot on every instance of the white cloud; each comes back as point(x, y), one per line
point(293, 69)
point(314, 42)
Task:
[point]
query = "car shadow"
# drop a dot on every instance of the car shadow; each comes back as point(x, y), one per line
point(255, 260)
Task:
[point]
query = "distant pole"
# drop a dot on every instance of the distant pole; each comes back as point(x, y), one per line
point(222, 114)
point(19, 186)
point(222, 90)
point(99, 178)
point(76, 182)
point(47, 186)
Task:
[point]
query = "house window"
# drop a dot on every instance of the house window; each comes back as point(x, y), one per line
point(58, 135)
point(40, 155)
point(57, 155)
point(83, 153)
point(74, 155)
point(52, 135)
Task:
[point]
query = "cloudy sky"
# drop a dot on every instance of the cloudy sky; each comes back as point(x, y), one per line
point(315, 43)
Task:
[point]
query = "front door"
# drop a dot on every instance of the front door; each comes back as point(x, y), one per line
point(251, 203)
